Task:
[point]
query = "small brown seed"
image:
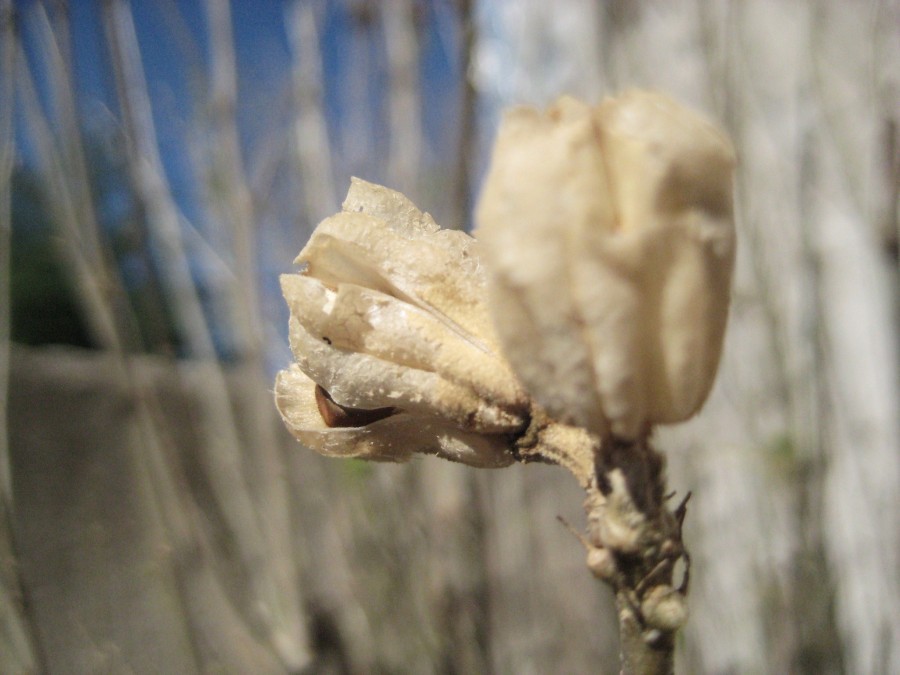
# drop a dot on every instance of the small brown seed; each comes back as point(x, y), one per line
point(336, 415)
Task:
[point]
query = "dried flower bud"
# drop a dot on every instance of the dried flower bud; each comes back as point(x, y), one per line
point(395, 352)
point(609, 239)
point(664, 608)
point(602, 563)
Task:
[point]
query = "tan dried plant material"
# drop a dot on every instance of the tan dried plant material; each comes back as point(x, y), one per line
point(395, 351)
point(601, 272)
point(608, 234)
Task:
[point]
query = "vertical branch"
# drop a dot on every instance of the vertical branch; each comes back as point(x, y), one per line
point(16, 640)
point(54, 50)
point(236, 207)
point(7, 157)
point(312, 150)
point(232, 200)
point(404, 115)
point(813, 587)
point(468, 139)
point(859, 472)
point(634, 540)
point(269, 596)
point(219, 633)
point(75, 181)
point(148, 178)
point(890, 220)
point(635, 543)
point(73, 250)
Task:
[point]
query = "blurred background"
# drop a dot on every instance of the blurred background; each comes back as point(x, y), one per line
point(162, 161)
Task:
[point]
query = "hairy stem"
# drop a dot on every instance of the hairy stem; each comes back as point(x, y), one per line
point(638, 656)
point(633, 538)
point(636, 539)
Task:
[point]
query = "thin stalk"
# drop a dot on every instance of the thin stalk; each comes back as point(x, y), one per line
point(7, 158)
point(17, 640)
point(633, 539)
point(270, 607)
point(404, 112)
point(71, 147)
point(150, 183)
point(232, 201)
point(468, 137)
point(271, 497)
point(75, 180)
point(312, 150)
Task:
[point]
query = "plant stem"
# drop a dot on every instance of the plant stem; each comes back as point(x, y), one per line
point(633, 539)
point(637, 655)
point(629, 519)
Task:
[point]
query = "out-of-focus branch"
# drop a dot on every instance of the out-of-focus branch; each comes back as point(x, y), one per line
point(312, 148)
point(890, 227)
point(63, 167)
point(220, 633)
point(54, 49)
point(231, 199)
point(72, 247)
point(148, 178)
point(16, 641)
point(65, 154)
point(7, 155)
point(236, 208)
point(273, 610)
point(467, 134)
point(404, 114)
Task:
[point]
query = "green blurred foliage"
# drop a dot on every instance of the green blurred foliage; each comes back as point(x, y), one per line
point(43, 307)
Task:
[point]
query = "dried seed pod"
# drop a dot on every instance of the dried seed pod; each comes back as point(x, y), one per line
point(337, 415)
point(395, 352)
point(608, 234)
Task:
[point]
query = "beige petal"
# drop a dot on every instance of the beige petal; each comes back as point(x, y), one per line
point(439, 272)
point(390, 206)
point(394, 438)
point(360, 380)
point(363, 320)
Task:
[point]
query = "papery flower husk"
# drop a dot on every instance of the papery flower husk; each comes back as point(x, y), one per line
point(396, 438)
point(608, 234)
point(390, 312)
